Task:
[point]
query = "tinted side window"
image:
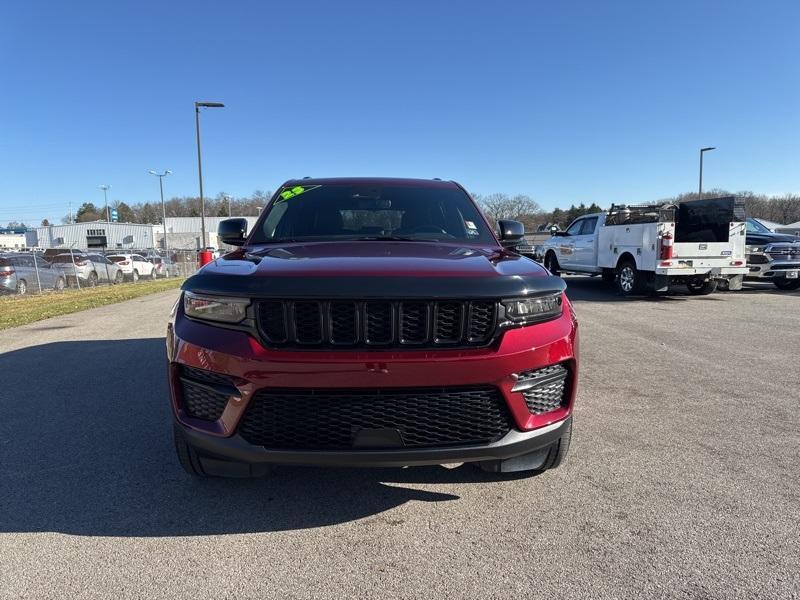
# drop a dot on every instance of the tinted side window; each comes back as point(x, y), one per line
point(575, 228)
point(589, 226)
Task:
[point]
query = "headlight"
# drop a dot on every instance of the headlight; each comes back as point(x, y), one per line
point(215, 308)
point(533, 310)
point(754, 249)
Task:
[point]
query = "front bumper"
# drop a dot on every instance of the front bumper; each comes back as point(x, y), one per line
point(216, 452)
point(773, 270)
point(254, 367)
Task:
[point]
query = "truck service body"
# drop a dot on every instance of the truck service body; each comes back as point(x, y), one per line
point(697, 243)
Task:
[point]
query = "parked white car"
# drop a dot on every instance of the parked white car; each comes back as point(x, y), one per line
point(134, 266)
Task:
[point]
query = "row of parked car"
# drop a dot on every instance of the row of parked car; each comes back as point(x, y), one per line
point(22, 273)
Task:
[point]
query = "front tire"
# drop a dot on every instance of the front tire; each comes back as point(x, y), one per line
point(135, 276)
point(119, 278)
point(699, 287)
point(92, 279)
point(551, 263)
point(187, 456)
point(22, 287)
point(60, 284)
point(787, 284)
point(545, 459)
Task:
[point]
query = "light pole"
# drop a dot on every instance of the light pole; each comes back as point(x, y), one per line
point(163, 208)
point(105, 189)
point(197, 107)
point(700, 187)
point(228, 198)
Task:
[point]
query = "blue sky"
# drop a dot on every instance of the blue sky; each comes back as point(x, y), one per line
point(564, 101)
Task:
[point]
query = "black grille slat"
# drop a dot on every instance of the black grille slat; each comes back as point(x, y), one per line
point(414, 322)
point(449, 322)
point(379, 322)
point(272, 317)
point(480, 325)
point(343, 323)
point(376, 323)
point(425, 417)
point(307, 320)
point(548, 389)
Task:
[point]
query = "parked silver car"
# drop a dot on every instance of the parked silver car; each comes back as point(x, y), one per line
point(90, 269)
point(164, 266)
point(24, 273)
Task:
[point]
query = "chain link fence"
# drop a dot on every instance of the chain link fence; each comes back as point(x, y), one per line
point(52, 271)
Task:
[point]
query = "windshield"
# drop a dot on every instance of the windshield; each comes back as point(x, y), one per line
point(754, 226)
point(353, 212)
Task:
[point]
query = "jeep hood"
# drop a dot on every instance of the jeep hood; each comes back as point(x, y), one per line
point(374, 269)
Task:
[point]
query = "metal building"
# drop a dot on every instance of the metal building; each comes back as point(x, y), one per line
point(82, 236)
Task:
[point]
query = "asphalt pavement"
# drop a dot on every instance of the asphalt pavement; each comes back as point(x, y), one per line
point(682, 481)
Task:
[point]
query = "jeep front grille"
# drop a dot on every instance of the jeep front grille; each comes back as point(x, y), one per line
point(300, 419)
point(376, 323)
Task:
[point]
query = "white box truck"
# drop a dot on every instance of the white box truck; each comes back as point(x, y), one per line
point(698, 243)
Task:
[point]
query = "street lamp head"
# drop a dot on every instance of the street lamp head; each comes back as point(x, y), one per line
point(209, 104)
point(104, 187)
point(707, 149)
point(167, 172)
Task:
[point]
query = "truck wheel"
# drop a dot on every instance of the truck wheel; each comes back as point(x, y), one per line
point(60, 284)
point(723, 286)
point(22, 287)
point(700, 287)
point(551, 263)
point(628, 278)
point(135, 275)
point(92, 279)
point(119, 277)
point(787, 284)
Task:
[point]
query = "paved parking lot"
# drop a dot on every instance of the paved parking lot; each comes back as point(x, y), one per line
point(682, 480)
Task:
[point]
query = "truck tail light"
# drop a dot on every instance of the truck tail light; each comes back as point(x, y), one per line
point(124, 263)
point(665, 247)
point(7, 272)
point(737, 263)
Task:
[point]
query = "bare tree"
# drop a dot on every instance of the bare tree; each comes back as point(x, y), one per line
point(502, 206)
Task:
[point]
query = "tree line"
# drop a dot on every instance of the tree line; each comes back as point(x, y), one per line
point(783, 209)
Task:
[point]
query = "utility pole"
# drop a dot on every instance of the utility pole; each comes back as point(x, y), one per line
point(105, 188)
point(700, 187)
point(163, 207)
point(197, 106)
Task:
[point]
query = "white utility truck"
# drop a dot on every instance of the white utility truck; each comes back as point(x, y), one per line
point(697, 243)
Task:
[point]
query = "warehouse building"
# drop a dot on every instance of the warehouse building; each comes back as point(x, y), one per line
point(182, 233)
point(94, 234)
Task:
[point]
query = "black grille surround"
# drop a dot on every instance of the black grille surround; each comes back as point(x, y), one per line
point(376, 324)
point(205, 393)
point(545, 389)
point(291, 419)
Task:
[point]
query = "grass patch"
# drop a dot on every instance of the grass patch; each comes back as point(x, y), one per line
point(21, 310)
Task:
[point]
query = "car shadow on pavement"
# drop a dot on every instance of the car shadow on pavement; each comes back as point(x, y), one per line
point(86, 449)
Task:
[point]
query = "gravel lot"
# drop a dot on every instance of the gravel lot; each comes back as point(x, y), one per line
point(683, 478)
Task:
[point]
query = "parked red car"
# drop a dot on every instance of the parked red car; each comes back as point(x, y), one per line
point(371, 322)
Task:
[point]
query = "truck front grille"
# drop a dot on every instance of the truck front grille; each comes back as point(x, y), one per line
point(333, 419)
point(376, 324)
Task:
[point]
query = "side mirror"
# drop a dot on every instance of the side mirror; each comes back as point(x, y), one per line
point(511, 232)
point(553, 229)
point(232, 231)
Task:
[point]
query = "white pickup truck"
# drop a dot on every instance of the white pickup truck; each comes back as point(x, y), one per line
point(698, 243)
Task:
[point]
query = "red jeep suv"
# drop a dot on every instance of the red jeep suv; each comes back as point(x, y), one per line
point(371, 322)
